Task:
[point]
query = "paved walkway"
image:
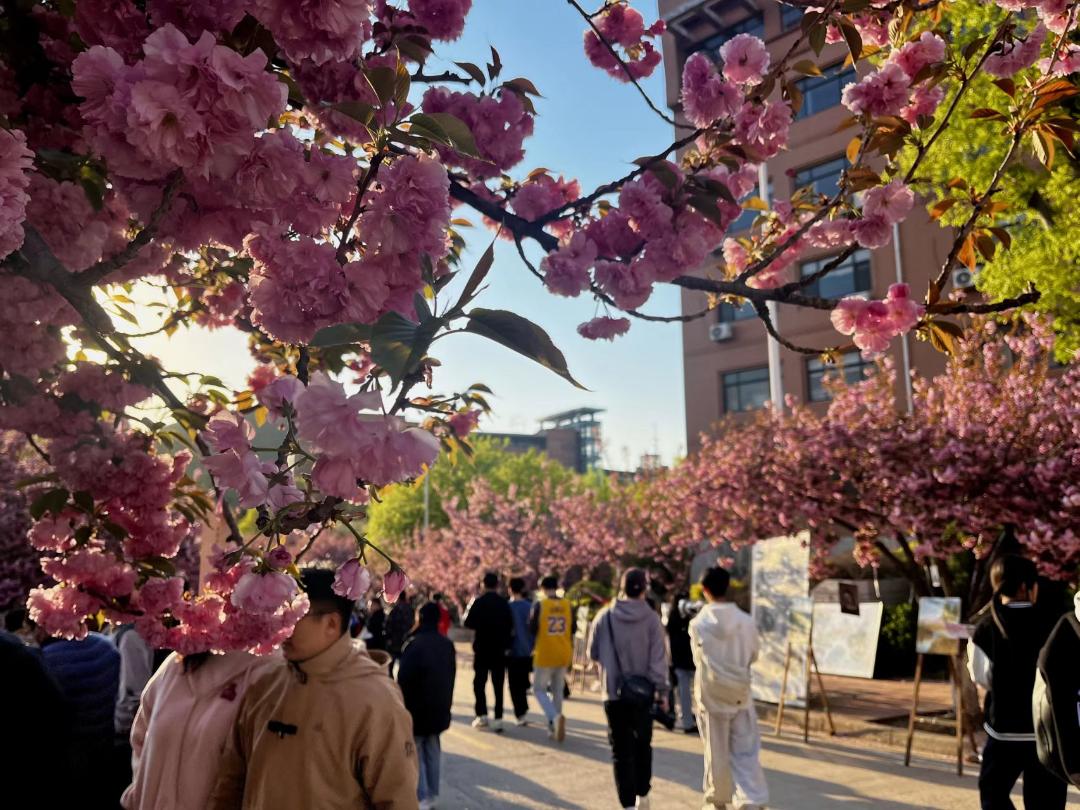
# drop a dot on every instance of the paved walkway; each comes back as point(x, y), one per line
point(522, 770)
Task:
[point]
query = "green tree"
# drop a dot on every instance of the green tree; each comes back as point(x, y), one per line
point(401, 508)
point(1039, 215)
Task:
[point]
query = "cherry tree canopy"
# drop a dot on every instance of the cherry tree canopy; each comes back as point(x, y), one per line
point(289, 167)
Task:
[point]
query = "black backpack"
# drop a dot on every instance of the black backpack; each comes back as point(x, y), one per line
point(1056, 701)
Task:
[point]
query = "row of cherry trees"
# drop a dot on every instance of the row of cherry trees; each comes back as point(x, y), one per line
point(290, 167)
point(993, 441)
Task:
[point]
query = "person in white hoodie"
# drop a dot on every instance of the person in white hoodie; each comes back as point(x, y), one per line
point(724, 642)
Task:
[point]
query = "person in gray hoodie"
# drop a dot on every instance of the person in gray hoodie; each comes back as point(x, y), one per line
point(628, 642)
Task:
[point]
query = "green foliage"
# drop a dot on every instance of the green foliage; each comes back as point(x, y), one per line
point(1042, 221)
point(896, 644)
point(401, 510)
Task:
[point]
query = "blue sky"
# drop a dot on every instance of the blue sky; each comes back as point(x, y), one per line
point(590, 127)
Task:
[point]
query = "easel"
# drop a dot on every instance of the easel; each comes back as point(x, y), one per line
point(958, 708)
point(809, 662)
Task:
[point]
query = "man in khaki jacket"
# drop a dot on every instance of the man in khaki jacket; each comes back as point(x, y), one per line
point(327, 729)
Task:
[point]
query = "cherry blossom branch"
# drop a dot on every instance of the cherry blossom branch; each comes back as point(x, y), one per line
point(667, 119)
point(99, 272)
point(446, 76)
point(361, 189)
point(763, 314)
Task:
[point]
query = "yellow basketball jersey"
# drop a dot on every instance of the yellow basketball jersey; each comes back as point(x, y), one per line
point(554, 644)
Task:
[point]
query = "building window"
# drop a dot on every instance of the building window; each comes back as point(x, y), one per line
point(823, 178)
point(821, 93)
point(729, 313)
point(851, 366)
point(754, 24)
point(746, 390)
point(850, 277)
point(790, 17)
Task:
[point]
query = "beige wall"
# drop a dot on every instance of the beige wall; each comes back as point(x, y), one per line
point(923, 248)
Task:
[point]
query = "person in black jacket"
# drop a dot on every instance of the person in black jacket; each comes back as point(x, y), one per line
point(398, 626)
point(489, 617)
point(1004, 654)
point(682, 657)
point(426, 676)
point(374, 634)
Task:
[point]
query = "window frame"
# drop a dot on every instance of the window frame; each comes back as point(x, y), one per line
point(861, 261)
point(788, 20)
point(837, 74)
point(737, 385)
point(750, 24)
point(823, 370)
point(729, 313)
point(797, 183)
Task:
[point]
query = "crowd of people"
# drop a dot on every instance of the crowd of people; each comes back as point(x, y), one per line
point(353, 707)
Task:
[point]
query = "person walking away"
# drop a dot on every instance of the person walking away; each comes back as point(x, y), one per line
point(629, 645)
point(724, 643)
point(490, 619)
point(519, 662)
point(326, 729)
point(398, 626)
point(445, 620)
point(374, 634)
point(136, 667)
point(183, 722)
point(1004, 656)
point(88, 674)
point(682, 658)
point(426, 677)
point(552, 625)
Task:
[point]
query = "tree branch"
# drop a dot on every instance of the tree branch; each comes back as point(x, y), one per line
point(361, 189)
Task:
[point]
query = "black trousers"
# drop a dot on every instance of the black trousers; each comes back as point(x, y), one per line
point(630, 735)
point(517, 673)
point(486, 664)
point(1002, 764)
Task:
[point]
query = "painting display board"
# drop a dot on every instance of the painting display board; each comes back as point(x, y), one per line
point(846, 643)
point(779, 594)
point(938, 629)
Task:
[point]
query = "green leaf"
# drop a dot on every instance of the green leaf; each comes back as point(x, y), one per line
point(53, 501)
point(383, 81)
point(521, 335)
point(479, 273)
point(357, 110)
point(398, 344)
point(852, 37)
point(806, 68)
point(84, 501)
point(342, 334)
point(450, 130)
point(817, 35)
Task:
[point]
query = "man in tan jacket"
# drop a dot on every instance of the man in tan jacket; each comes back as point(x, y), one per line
point(327, 729)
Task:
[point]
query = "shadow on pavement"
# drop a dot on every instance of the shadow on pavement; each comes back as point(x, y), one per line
point(506, 782)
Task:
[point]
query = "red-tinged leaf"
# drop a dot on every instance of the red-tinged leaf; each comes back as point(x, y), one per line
point(938, 209)
point(817, 37)
point(1002, 236)
point(986, 112)
point(1007, 86)
point(523, 85)
point(986, 246)
point(475, 73)
point(852, 37)
point(807, 68)
point(974, 47)
point(967, 255)
point(853, 148)
point(957, 182)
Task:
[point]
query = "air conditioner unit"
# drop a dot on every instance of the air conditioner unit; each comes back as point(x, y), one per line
point(964, 279)
point(719, 332)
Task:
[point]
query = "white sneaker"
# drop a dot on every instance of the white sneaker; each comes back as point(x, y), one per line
point(497, 726)
point(521, 721)
point(551, 729)
point(480, 722)
point(643, 803)
point(427, 804)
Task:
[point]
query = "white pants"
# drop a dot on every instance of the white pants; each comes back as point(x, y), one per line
point(733, 773)
point(543, 679)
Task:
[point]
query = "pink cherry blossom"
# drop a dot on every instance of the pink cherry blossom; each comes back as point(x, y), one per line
point(15, 161)
point(624, 29)
point(629, 285)
point(330, 419)
point(279, 557)
point(463, 423)
point(924, 102)
point(891, 202)
point(745, 59)
point(394, 584)
point(352, 580)
point(904, 313)
point(280, 390)
point(443, 19)
point(928, 49)
point(61, 611)
point(566, 270)
point(763, 127)
point(872, 232)
point(845, 315)
point(242, 472)
point(542, 194)
point(263, 593)
point(97, 572)
point(337, 476)
point(706, 96)
point(1016, 55)
point(158, 595)
point(317, 30)
point(604, 328)
point(613, 235)
point(883, 92)
point(229, 431)
point(830, 234)
point(499, 123)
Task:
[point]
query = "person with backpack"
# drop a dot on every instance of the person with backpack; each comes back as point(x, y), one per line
point(724, 643)
point(1003, 659)
point(552, 625)
point(629, 645)
point(1057, 699)
point(490, 618)
point(426, 677)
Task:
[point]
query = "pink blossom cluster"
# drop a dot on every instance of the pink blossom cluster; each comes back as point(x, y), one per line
point(883, 207)
point(442, 19)
point(623, 28)
point(707, 97)
point(1016, 54)
point(499, 124)
point(874, 323)
point(101, 386)
point(352, 580)
point(15, 161)
point(604, 328)
point(745, 59)
point(30, 318)
point(237, 467)
point(315, 29)
point(194, 107)
point(541, 194)
point(463, 423)
point(900, 86)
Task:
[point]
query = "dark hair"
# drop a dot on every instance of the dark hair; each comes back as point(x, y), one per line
point(14, 619)
point(438, 597)
point(318, 584)
point(1009, 572)
point(716, 581)
point(428, 614)
point(549, 583)
point(634, 582)
point(517, 585)
point(491, 580)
